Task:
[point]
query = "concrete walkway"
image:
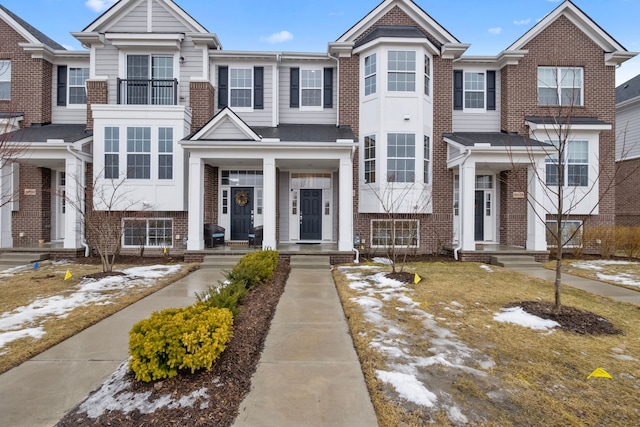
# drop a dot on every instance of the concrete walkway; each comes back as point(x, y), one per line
point(309, 374)
point(616, 293)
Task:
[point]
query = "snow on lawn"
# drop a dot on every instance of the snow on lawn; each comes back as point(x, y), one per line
point(111, 398)
point(406, 371)
point(29, 320)
point(629, 278)
point(520, 317)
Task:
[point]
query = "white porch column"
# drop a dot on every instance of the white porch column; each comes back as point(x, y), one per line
point(345, 205)
point(269, 238)
point(195, 239)
point(74, 191)
point(536, 229)
point(6, 195)
point(467, 202)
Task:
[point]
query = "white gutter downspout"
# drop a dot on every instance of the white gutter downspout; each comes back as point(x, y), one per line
point(83, 240)
point(461, 202)
point(338, 87)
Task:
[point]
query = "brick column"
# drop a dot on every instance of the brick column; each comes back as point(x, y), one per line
point(97, 93)
point(202, 96)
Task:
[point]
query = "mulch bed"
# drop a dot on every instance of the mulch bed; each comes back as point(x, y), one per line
point(570, 318)
point(228, 381)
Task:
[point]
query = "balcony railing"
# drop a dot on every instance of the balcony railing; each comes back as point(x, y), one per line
point(147, 92)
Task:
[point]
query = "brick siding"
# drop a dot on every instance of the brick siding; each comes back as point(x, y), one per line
point(202, 96)
point(32, 222)
point(97, 93)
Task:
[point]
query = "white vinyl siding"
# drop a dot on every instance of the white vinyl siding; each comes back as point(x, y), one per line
point(136, 19)
point(628, 132)
point(77, 114)
point(479, 120)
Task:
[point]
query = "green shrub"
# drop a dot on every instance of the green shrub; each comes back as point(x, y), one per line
point(255, 267)
point(226, 295)
point(178, 338)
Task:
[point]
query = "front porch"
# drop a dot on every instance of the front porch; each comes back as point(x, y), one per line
point(484, 252)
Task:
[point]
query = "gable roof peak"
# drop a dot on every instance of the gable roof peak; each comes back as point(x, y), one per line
point(29, 32)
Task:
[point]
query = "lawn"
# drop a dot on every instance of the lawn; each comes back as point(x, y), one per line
point(39, 308)
point(435, 351)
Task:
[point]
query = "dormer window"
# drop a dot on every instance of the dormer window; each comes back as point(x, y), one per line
point(401, 67)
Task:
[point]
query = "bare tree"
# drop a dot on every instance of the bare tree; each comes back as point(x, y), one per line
point(11, 148)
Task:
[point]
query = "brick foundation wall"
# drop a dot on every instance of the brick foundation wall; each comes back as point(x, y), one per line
point(627, 199)
point(97, 93)
point(33, 219)
point(31, 80)
point(202, 96)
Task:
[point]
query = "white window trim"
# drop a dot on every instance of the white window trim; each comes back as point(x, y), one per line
point(8, 73)
point(373, 159)
point(146, 221)
point(414, 72)
point(69, 86)
point(559, 87)
point(394, 221)
point(373, 74)
point(312, 107)
point(577, 237)
point(426, 161)
point(566, 164)
point(428, 73)
point(464, 91)
point(416, 158)
point(251, 72)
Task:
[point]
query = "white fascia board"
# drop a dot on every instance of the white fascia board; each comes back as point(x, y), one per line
point(616, 58)
point(210, 40)
point(305, 56)
point(138, 112)
point(572, 127)
point(628, 103)
point(340, 49)
point(38, 51)
point(80, 55)
point(289, 149)
point(145, 39)
point(237, 54)
point(453, 50)
point(397, 41)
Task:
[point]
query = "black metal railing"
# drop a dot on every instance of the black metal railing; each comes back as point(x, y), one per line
point(147, 92)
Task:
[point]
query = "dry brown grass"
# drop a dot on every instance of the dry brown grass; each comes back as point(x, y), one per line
point(631, 271)
point(28, 286)
point(545, 374)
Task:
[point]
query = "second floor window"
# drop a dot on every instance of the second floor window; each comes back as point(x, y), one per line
point(427, 75)
point(77, 89)
point(165, 153)
point(139, 153)
point(150, 80)
point(370, 159)
point(111, 153)
point(401, 157)
point(575, 167)
point(402, 71)
point(5, 79)
point(370, 70)
point(240, 87)
point(474, 90)
point(560, 86)
point(311, 88)
point(427, 159)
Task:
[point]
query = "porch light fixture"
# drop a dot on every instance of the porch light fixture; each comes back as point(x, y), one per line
point(181, 60)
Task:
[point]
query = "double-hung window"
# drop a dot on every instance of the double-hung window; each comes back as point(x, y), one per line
point(370, 73)
point(111, 153)
point(401, 67)
point(311, 88)
point(560, 86)
point(370, 159)
point(474, 90)
point(139, 153)
point(241, 87)
point(77, 89)
point(165, 153)
point(427, 159)
point(575, 165)
point(427, 75)
point(148, 232)
point(401, 157)
point(5, 79)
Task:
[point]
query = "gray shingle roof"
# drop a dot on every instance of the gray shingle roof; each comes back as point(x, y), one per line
point(495, 139)
point(42, 38)
point(565, 120)
point(306, 133)
point(628, 90)
point(391, 31)
point(67, 133)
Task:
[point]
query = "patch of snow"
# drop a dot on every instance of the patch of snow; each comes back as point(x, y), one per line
point(621, 278)
point(624, 357)
point(597, 264)
point(380, 260)
point(456, 416)
point(7, 337)
point(456, 304)
point(110, 397)
point(520, 317)
point(408, 387)
point(486, 268)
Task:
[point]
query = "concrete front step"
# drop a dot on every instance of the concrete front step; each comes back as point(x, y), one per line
point(220, 261)
point(22, 256)
point(310, 261)
point(513, 261)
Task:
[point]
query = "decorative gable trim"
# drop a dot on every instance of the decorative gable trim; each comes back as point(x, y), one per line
point(226, 115)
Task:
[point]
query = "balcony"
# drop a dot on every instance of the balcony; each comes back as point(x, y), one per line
point(147, 92)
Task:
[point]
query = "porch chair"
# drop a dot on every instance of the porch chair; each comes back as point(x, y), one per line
point(255, 236)
point(213, 235)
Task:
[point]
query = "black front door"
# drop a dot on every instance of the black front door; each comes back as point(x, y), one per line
point(241, 213)
point(479, 214)
point(310, 214)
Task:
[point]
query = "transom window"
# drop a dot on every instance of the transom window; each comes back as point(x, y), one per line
point(311, 88)
point(139, 153)
point(370, 159)
point(165, 153)
point(241, 86)
point(148, 232)
point(575, 167)
point(242, 178)
point(401, 157)
point(474, 90)
point(398, 233)
point(111, 153)
point(370, 70)
point(402, 71)
point(560, 86)
point(77, 89)
point(5, 79)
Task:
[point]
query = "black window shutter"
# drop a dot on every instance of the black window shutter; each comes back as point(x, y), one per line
point(223, 87)
point(328, 88)
point(491, 90)
point(294, 88)
point(258, 88)
point(62, 85)
point(457, 90)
